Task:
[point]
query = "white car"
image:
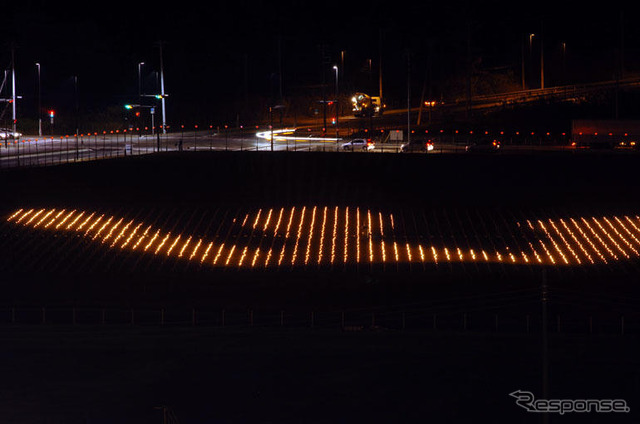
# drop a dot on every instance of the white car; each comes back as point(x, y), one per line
point(6, 133)
point(358, 144)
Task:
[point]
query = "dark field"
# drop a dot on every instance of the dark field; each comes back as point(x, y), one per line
point(286, 352)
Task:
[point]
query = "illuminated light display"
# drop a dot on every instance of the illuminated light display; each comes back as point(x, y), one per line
point(133, 233)
point(97, 234)
point(382, 249)
point(286, 236)
point(119, 236)
point(624, 227)
point(69, 215)
point(54, 218)
point(184, 246)
point(255, 222)
point(606, 233)
point(553, 242)
point(24, 215)
point(322, 232)
point(620, 236)
point(215, 259)
point(312, 225)
point(206, 253)
point(298, 235)
point(275, 233)
point(77, 218)
point(242, 256)
point(266, 222)
point(164, 240)
point(155, 236)
point(86, 220)
point(175, 241)
point(34, 216)
point(334, 234)
point(602, 243)
point(576, 241)
point(16, 213)
point(588, 240)
point(395, 251)
point(230, 255)
point(566, 243)
point(346, 235)
point(535, 253)
point(549, 255)
point(569, 242)
point(111, 230)
point(195, 249)
point(45, 216)
point(369, 233)
point(358, 233)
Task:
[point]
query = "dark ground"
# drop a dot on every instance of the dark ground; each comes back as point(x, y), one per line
point(86, 374)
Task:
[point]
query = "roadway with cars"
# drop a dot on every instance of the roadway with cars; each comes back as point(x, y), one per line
point(34, 151)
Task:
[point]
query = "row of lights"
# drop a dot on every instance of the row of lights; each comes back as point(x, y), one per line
point(622, 235)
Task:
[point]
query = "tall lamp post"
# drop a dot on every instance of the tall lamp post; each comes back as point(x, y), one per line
point(335, 68)
point(140, 88)
point(39, 103)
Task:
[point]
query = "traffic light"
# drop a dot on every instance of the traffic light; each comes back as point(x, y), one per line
point(137, 113)
point(128, 107)
point(52, 114)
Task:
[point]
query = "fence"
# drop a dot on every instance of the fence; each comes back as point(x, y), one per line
point(345, 320)
point(53, 150)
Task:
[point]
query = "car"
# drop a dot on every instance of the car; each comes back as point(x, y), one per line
point(417, 147)
point(6, 133)
point(359, 144)
point(483, 146)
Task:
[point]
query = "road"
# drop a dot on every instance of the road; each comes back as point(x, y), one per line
point(34, 151)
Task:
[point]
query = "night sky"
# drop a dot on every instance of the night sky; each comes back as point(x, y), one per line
point(209, 47)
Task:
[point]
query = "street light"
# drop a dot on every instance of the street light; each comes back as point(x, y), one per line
point(39, 103)
point(140, 86)
point(335, 68)
point(140, 80)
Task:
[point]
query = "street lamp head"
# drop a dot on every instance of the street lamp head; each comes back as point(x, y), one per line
point(335, 67)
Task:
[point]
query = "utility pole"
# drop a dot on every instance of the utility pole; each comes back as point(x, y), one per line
point(522, 71)
point(541, 56)
point(39, 102)
point(408, 97)
point(13, 86)
point(162, 94)
point(379, 69)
